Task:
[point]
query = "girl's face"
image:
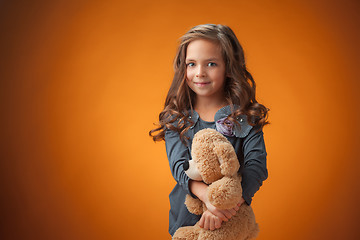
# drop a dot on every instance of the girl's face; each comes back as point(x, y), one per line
point(205, 68)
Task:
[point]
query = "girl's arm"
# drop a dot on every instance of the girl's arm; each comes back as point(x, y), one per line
point(177, 152)
point(255, 170)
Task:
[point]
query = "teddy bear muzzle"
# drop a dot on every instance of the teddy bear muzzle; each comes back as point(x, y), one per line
point(191, 170)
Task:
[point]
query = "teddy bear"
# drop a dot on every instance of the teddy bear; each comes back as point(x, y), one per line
point(214, 162)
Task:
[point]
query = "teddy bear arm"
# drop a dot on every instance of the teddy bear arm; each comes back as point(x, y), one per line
point(194, 206)
point(225, 193)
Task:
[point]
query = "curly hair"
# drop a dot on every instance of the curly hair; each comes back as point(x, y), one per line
point(239, 84)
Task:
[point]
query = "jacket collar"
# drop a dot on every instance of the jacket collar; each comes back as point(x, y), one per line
point(239, 131)
point(221, 113)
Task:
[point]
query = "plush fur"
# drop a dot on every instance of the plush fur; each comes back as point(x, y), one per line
point(217, 163)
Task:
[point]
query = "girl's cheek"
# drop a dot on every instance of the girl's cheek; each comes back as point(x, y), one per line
point(188, 75)
point(191, 73)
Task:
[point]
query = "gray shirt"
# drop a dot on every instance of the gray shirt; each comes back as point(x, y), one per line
point(249, 145)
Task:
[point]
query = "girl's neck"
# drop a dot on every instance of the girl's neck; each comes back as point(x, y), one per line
point(207, 107)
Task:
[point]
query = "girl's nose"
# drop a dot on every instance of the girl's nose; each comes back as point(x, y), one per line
point(200, 73)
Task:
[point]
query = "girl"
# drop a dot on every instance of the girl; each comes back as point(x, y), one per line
point(211, 88)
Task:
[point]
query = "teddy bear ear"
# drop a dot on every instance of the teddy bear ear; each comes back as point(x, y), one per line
point(229, 163)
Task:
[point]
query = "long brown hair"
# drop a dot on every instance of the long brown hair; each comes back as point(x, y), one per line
point(239, 84)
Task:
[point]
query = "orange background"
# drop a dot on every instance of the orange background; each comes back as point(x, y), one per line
point(82, 83)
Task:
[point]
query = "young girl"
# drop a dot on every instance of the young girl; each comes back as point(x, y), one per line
point(211, 88)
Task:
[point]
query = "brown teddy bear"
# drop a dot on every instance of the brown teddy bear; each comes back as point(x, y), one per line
point(214, 161)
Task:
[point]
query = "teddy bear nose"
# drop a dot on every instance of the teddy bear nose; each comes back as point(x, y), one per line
point(186, 165)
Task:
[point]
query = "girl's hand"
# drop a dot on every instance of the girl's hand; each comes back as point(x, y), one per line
point(209, 221)
point(200, 190)
point(241, 202)
point(222, 214)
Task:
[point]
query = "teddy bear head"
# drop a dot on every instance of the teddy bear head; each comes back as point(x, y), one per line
point(213, 157)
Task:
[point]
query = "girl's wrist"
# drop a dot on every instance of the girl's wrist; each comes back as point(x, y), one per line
point(203, 196)
point(199, 189)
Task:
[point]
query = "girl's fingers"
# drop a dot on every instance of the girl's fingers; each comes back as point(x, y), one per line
point(201, 222)
point(218, 213)
point(232, 212)
point(212, 223)
point(207, 223)
point(213, 219)
point(227, 213)
point(221, 215)
point(241, 202)
point(217, 223)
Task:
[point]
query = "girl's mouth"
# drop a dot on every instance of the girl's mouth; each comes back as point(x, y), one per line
point(201, 84)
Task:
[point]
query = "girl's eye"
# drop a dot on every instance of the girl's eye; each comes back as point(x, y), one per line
point(190, 64)
point(211, 64)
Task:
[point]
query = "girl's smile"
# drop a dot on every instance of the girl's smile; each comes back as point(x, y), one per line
point(202, 84)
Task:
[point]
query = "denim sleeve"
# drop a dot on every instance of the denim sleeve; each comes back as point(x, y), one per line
point(177, 152)
point(255, 170)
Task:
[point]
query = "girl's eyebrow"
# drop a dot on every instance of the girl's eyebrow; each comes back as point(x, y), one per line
point(209, 59)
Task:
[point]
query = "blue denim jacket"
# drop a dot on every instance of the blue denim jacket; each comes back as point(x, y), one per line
point(249, 145)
